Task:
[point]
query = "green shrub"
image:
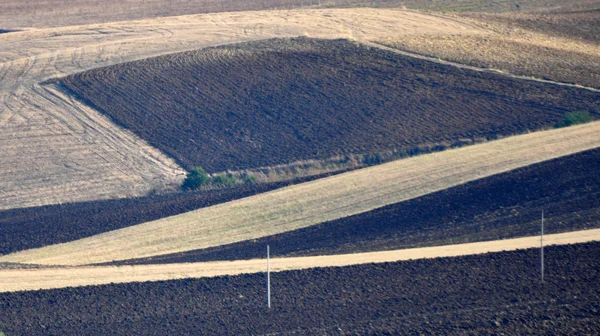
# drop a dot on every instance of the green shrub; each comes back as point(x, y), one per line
point(575, 118)
point(224, 180)
point(249, 179)
point(195, 178)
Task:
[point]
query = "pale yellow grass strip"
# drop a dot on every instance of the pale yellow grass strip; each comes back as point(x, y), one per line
point(33, 279)
point(318, 201)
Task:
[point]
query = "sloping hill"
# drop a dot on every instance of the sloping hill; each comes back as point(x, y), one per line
point(318, 201)
point(280, 101)
point(27, 228)
point(502, 206)
point(57, 150)
point(40, 13)
point(563, 47)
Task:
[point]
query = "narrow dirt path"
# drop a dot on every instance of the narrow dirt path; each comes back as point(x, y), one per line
point(12, 280)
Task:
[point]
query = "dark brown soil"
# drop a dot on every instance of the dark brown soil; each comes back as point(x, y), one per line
point(22, 229)
point(498, 293)
point(507, 205)
point(279, 101)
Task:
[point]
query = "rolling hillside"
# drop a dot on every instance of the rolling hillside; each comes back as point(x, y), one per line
point(561, 46)
point(40, 13)
point(281, 101)
point(502, 206)
point(317, 201)
point(105, 103)
point(57, 150)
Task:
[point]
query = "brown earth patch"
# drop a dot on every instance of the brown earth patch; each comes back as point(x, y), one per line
point(497, 293)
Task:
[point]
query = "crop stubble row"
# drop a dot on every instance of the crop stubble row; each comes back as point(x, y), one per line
point(34, 227)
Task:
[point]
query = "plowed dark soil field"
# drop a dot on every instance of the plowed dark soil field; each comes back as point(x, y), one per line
point(498, 293)
point(279, 101)
point(27, 228)
point(507, 205)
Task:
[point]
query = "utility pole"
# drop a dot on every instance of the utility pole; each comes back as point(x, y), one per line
point(542, 249)
point(268, 279)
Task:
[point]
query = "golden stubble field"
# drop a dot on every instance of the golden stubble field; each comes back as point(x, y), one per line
point(560, 46)
point(307, 204)
point(45, 278)
point(57, 150)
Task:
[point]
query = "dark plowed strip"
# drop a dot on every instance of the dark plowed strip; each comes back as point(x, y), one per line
point(22, 229)
point(282, 100)
point(507, 205)
point(498, 293)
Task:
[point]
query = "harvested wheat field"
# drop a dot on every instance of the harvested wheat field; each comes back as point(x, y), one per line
point(19, 279)
point(502, 206)
point(563, 47)
point(58, 150)
point(104, 105)
point(317, 201)
point(33, 227)
point(44, 14)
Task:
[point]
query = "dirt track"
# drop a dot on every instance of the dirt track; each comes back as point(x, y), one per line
point(72, 153)
point(32, 279)
point(318, 201)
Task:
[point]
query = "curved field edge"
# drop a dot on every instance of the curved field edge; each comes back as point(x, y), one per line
point(318, 201)
point(52, 153)
point(278, 101)
point(513, 51)
point(27, 228)
point(47, 278)
point(502, 206)
point(496, 293)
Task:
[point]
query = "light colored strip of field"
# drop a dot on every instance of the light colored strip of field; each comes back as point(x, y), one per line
point(558, 60)
point(56, 150)
point(12, 280)
point(318, 201)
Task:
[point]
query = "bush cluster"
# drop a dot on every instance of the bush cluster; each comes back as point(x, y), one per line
point(575, 118)
point(198, 177)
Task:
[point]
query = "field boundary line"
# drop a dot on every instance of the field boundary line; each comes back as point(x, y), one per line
point(318, 201)
point(12, 280)
point(379, 45)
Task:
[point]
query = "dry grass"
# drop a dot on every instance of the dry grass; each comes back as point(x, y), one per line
point(317, 201)
point(56, 150)
point(42, 13)
point(517, 46)
point(12, 280)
